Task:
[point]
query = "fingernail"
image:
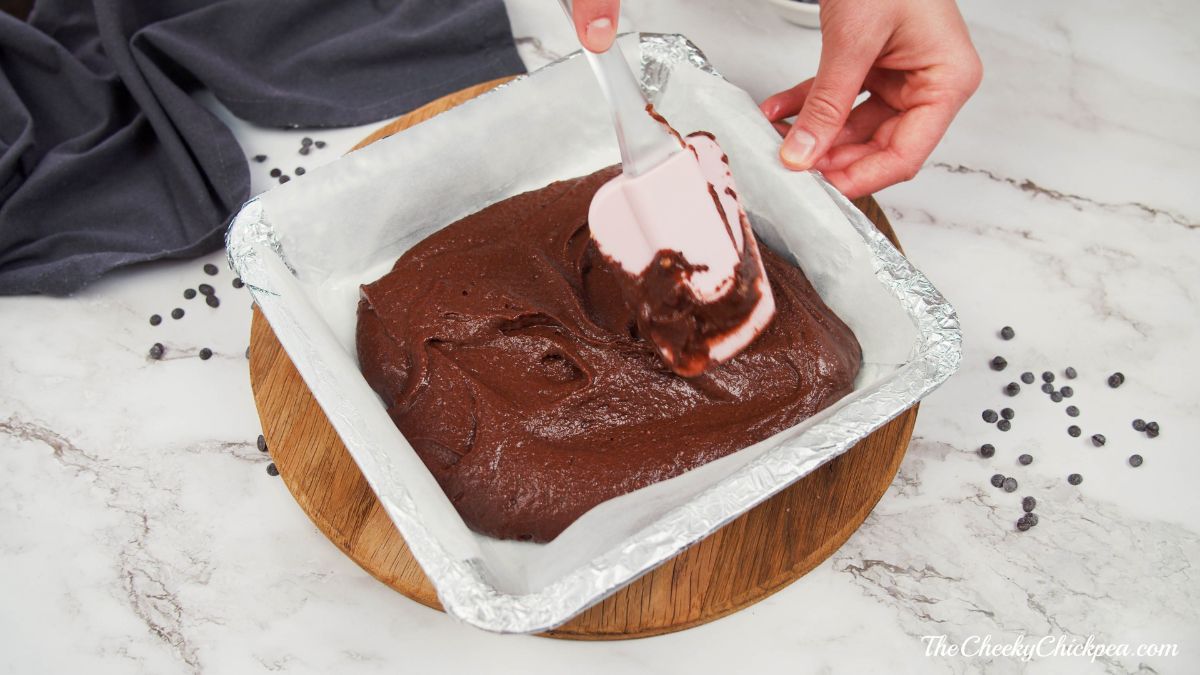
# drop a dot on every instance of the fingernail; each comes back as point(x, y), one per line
point(600, 33)
point(797, 148)
point(769, 109)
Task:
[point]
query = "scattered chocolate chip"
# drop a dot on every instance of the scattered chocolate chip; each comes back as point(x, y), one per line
point(990, 416)
point(1135, 460)
point(1028, 504)
point(1032, 518)
point(1023, 524)
point(247, 352)
point(319, 144)
point(1003, 425)
point(1071, 373)
point(189, 293)
point(1072, 411)
point(306, 141)
point(262, 443)
point(213, 301)
point(206, 289)
point(1010, 484)
point(1012, 389)
point(1047, 387)
point(1152, 429)
point(1047, 376)
point(1139, 424)
point(238, 283)
point(205, 354)
point(1056, 396)
point(272, 470)
point(210, 269)
point(155, 319)
point(1007, 413)
point(997, 480)
point(1027, 377)
point(177, 313)
point(1098, 440)
point(156, 351)
point(283, 179)
point(304, 150)
point(1067, 391)
point(260, 158)
point(299, 171)
point(1074, 431)
point(1074, 479)
point(1007, 333)
point(987, 450)
point(276, 173)
point(1116, 379)
point(1025, 459)
point(999, 363)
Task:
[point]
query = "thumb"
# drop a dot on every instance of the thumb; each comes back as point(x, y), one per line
point(830, 98)
point(596, 22)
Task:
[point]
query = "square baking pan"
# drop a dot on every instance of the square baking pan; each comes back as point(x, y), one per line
point(304, 249)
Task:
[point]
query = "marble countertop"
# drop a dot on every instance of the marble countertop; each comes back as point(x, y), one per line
point(142, 534)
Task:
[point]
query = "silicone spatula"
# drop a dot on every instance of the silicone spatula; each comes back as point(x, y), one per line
point(675, 207)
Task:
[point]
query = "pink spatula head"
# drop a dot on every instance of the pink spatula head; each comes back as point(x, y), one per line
point(673, 224)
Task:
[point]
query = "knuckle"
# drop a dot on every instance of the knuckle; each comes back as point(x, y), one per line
point(821, 109)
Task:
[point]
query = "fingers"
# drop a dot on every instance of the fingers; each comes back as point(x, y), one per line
point(828, 102)
point(787, 102)
point(596, 22)
point(898, 149)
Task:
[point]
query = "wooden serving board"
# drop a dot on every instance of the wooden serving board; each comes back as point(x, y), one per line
point(745, 561)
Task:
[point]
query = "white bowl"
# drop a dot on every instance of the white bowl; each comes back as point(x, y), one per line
point(807, 14)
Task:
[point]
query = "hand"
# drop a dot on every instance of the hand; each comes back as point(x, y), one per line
point(916, 60)
point(596, 22)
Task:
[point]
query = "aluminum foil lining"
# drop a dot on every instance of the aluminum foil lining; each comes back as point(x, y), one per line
point(291, 248)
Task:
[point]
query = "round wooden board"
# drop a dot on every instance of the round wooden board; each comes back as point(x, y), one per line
point(750, 558)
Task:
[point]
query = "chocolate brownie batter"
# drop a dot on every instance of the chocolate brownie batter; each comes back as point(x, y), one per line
point(506, 355)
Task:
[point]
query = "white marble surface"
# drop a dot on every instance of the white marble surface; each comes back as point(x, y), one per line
point(141, 534)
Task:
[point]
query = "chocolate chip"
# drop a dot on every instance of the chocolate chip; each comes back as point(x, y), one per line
point(156, 351)
point(1139, 424)
point(272, 470)
point(276, 173)
point(1027, 377)
point(155, 319)
point(1072, 411)
point(210, 269)
point(260, 158)
point(1067, 392)
point(319, 144)
point(1055, 396)
point(1010, 484)
point(299, 171)
point(997, 480)
point(206, 289)
point(190, 293)
point(1012, 389)
point(177, 313)
point(1074, 431)
point(1116, 379)
point(262, 443)
point(205, 354)
point(247, 352)
point(1098, 440)
point(1032, 518)
point(990, 416)
point(1007, 333)
point(1028, 504)
point(283, 179)
point(213, 301)
point(987, 450)
point(1007, 413)
point(1071, 373)
point(304, 150)
point(1047, 376)
point(306, 141)
point(1003, 425)
point(1025, 459)
point(1135, 460)
point(1152, 429)
point(238, 283)
point(1023, 524)
point(999, 363)
point(1074, 479)
point(1047, 387)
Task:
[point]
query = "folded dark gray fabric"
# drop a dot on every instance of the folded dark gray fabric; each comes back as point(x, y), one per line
point(106, 159)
